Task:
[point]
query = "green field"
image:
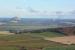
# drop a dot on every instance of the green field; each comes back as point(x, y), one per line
point(49, 34)
point(69, 47)
point(32, 41)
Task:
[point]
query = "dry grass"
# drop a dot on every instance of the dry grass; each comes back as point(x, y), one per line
point(63, 40)
point(6, 32)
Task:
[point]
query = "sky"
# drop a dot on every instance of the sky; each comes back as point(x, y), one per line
point(36, 8)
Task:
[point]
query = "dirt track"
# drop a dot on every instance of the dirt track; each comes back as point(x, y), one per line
point(63, 40)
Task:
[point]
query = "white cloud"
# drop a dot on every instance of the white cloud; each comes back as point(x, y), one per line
point(31, 12)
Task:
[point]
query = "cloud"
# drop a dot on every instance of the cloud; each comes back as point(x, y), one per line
point(32, 10)
point(29, 11)
point(72, 12)
point(59, 12)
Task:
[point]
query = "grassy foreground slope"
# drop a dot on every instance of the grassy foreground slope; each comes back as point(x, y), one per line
point(31, 40)
point(11, 42)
